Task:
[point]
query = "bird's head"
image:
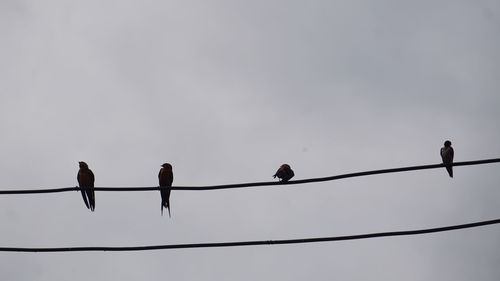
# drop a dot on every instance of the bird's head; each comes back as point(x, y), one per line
point(285, 167)
point(83, 165)
point(447, 143)
point(167, 166)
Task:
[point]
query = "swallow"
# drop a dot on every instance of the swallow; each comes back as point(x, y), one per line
point(284, 173)
point(86, 180)
point(165, 178)
point(447, 156)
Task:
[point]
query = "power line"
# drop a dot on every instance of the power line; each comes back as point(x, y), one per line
point(254, 243)
point(255, 184)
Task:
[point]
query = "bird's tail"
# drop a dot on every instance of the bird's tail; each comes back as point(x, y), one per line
point(450, 170)
point(168, 207)
point(165, 199)
point(85, 198)
point(92, 199)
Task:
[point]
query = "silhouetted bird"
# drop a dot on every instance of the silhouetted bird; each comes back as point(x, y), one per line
point(447, 156)
point(165, 177)
point(284, 173)
point(86, 180)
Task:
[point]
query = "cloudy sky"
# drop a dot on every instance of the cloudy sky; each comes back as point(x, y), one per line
point(226, 91)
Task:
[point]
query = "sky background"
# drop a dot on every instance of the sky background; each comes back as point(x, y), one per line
point(227, 91)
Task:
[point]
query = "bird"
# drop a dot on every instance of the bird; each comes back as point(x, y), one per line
point(165, 178)
point(447, 156)
point(284, 173)
point(86, 180)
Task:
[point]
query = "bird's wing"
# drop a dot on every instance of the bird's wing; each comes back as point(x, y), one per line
point(278, 173)
point(170, 179)
point(78, 179)
point(92, 178)
point(447, 155)
point(81, 183)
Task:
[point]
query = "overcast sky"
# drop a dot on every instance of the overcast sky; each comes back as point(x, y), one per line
point(227, 91)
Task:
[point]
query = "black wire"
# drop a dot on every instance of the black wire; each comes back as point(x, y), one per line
point(253, 243)
point(255, 184)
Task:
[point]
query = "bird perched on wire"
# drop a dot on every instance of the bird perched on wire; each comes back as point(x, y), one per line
point(284, 173)
point(447, 156)
point(165, 178)
point(86, 180)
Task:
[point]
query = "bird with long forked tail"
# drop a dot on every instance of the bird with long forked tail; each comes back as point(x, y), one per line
point(165, 178)
point(86, 180)
point(447, 154)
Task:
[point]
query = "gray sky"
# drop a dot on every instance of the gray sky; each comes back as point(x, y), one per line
point(227, 91)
